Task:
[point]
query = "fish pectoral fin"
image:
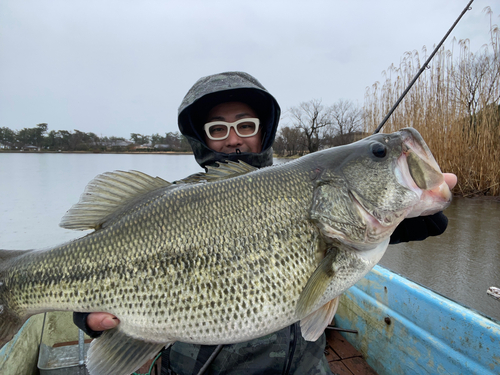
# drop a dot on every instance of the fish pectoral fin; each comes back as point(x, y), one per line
point(313, 325)
point(107, 195)
point(116, 353)
point(317, 284)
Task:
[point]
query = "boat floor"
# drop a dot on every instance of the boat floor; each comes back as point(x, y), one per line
point(343, 358)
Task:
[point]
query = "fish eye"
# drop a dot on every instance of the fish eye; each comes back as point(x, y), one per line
point(378, 149)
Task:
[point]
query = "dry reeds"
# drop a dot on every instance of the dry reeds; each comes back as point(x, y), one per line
point(454, 105)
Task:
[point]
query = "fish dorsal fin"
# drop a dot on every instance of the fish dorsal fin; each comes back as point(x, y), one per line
point(317, 284)
point(313, 325)
point(106, 195)
point(115, 352)
point(223, 171)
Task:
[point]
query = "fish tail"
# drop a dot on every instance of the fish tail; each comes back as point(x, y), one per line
point(10, 319)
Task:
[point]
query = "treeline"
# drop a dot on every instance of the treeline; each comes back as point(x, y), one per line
point(312, 126)
point(39, 138)
point(308, 127)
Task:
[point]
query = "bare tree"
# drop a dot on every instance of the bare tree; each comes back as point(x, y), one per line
point(347, 123)
point(311, 117)
point(477, 79)
point(347, 117)
point(476, 82)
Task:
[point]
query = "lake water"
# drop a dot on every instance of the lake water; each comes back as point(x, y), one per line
point(37, 189)
point(463, 262)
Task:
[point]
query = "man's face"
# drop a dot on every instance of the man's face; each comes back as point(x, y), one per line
point(231, 112)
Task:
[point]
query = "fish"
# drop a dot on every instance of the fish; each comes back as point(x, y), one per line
point(224, 256)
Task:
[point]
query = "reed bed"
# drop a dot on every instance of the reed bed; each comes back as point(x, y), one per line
point(454, 105)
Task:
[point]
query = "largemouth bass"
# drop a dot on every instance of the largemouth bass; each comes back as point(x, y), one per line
point(226, 256)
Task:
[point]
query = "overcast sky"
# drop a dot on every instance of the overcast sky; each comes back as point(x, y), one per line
point(115, 67)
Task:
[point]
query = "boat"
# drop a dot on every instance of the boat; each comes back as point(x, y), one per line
point(402, 328)
point(405, 328)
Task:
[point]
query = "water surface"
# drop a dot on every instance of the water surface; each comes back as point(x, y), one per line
point(36, 189)
point(463, 262)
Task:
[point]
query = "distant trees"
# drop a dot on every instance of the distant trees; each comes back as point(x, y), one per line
point(157, 139)
point(140, 139)
point(312, 126)
point(172, 141)
point(64, 140)
point(476, 81)
point(311, 118)
point(39, 132)
point(31, 136)
point(7, 136)
point(289, 141)
point(347, 124)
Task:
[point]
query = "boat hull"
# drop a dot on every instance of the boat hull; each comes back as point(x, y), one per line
point(405, 328)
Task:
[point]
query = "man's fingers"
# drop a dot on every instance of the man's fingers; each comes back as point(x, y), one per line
point(102, 321)
point(450, 179)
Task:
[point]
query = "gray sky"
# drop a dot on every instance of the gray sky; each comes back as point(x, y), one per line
point(119, 66)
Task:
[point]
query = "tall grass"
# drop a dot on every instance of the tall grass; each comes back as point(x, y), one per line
point(454, 105)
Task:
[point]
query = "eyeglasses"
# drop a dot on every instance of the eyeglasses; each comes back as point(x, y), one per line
point(219, 130)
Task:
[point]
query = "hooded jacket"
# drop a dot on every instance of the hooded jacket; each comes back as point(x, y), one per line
point(212, 90)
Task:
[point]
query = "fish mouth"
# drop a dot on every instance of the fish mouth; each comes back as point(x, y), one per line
point(418, 171)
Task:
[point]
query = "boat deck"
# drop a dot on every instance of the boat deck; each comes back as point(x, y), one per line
point(343, 358)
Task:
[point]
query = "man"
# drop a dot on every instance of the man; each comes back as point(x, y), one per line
point(233, 128)
point(231, 116)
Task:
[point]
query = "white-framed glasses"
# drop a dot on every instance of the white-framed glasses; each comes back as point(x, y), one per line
point(219, 130)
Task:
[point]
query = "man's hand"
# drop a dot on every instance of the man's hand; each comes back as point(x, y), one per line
point(101, 321)
point(421, 227)
point(450, 179)
point(93, 324)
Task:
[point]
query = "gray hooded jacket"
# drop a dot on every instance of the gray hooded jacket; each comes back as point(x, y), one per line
point(212, 90)
point(285, 351)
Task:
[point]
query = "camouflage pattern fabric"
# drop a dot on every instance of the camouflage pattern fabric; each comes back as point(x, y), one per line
point(266, 355)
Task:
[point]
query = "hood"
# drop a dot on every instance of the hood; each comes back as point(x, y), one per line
point(212, 90)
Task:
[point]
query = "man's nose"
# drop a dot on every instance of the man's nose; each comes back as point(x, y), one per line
point(233, 138)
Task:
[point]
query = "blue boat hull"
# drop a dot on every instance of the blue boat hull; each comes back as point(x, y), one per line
point(405, 328)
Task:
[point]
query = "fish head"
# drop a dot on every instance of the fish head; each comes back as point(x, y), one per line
point(361, 192)
point(374, 184)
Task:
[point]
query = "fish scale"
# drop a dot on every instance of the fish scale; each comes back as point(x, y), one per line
point(221, 257)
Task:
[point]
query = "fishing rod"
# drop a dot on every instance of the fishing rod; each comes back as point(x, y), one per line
point(468, 7)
